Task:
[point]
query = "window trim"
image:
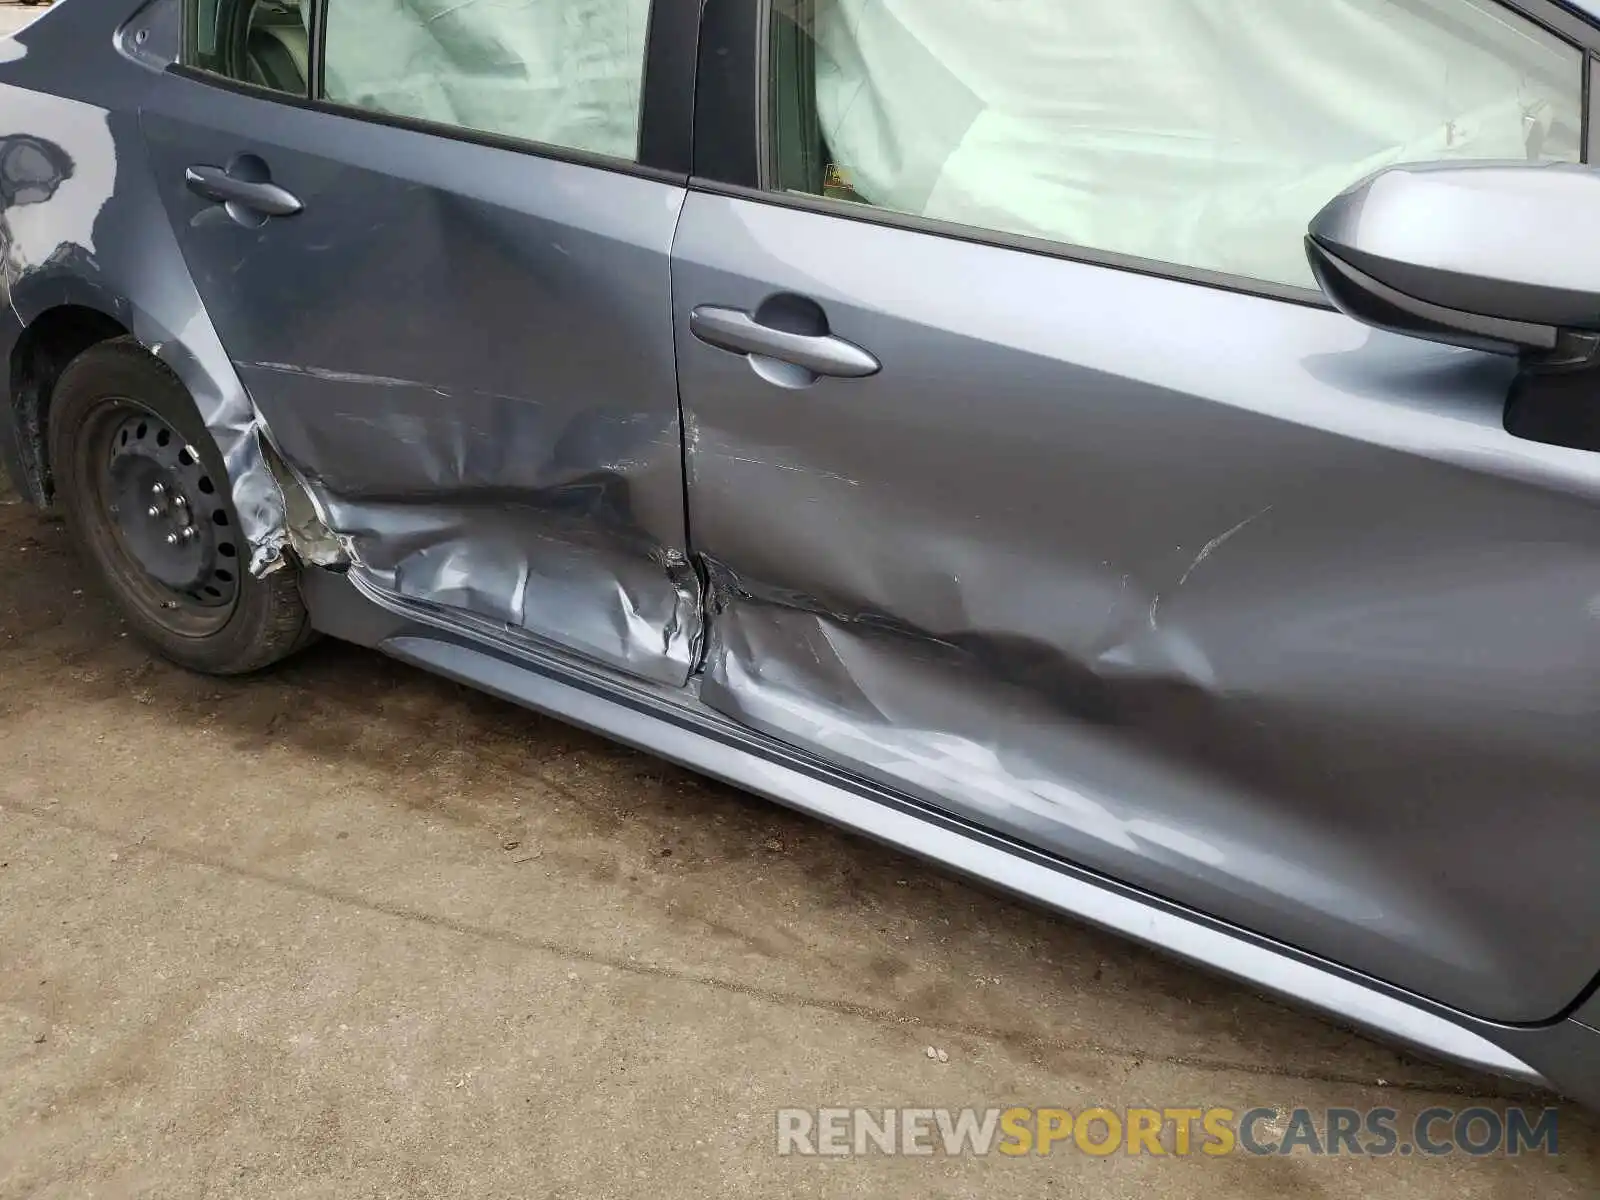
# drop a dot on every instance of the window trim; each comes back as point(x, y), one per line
point(1591, 111)
point(1042, 247)
point(728, 137)
point(666, 97)
point(319, 18)
point(733, 145)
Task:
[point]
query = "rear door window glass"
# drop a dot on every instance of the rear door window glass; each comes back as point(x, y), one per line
point(565, 73)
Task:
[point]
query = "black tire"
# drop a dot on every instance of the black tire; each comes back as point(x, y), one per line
point(252, 623)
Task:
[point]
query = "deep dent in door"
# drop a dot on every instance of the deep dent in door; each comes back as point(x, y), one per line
point(462, 358)
point(1229, 599)
point(529, 518)
point(1159, 743)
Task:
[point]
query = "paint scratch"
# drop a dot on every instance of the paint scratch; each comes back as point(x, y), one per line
point(1215, 543)
point(346, 377)
point(761, 462)
point(1206, 552)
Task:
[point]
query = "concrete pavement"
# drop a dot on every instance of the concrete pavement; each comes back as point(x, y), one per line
point(14, 16)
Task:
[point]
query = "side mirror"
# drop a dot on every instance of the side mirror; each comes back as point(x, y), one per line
point(1498, 256)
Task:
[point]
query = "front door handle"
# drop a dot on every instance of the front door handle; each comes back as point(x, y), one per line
point(216, 184)
point(737, 331)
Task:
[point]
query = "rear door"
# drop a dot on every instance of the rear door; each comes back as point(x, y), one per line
point(1033, 479)
point(434, 240)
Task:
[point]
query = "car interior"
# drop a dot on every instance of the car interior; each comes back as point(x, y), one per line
point(272, 47)
point(801, 160)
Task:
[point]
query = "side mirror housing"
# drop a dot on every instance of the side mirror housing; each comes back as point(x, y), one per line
point(1502, 257)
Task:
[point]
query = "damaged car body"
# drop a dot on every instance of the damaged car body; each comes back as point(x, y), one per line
point(895, 421)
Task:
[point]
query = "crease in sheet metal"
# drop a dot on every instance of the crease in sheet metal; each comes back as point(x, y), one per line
point(519, 512)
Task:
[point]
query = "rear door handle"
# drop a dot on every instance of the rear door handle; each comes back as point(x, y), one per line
point(735, 330)
point(214, 183)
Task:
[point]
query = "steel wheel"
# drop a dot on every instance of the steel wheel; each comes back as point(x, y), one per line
point(164, 530)
point(144, 491)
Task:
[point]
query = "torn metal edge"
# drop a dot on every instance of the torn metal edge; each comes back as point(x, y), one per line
point(277, 510)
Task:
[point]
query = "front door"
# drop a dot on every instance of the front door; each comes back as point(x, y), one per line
point(1034, 480)
point(446, 289)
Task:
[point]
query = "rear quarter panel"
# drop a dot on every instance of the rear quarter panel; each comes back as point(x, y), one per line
point(81, 224)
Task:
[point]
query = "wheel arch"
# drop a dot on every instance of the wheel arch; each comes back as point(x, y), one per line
point(43, 350)
point(64, 312)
